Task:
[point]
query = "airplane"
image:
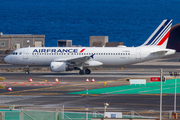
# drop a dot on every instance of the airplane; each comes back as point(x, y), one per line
point(81, 58)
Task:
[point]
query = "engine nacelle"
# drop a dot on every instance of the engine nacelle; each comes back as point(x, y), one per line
point(60, 67)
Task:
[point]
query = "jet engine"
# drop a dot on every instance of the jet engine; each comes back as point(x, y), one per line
point(60, 67)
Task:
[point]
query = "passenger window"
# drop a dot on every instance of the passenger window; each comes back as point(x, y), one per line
point(128, 53)
point(20, 53)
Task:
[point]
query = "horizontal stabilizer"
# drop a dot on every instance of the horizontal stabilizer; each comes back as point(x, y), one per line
point(159, 51)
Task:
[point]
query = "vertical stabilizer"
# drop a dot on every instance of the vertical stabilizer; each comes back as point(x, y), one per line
point(160, 36)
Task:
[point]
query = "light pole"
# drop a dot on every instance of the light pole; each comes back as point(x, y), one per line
point(175, 74)
point(105, 106)
point(87, 103)
point(161, 94)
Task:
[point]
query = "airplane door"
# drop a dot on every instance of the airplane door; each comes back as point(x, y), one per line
point(25, 54)
point(138, 53)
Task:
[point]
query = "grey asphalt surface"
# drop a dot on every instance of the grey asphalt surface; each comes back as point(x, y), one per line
point(56, 96)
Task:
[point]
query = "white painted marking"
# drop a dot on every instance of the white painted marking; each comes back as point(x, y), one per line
point(137, 81)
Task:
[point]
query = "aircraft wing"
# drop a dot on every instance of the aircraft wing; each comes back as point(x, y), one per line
point(80, 61)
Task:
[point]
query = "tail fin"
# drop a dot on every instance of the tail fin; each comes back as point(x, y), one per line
point(160, 36)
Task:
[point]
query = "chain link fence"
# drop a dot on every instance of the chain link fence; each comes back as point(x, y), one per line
point(47, 114)
point(75, 114)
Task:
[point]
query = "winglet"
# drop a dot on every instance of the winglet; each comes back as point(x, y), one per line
point(92, 56)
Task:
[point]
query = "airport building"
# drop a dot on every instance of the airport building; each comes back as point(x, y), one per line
point(12, 42)
point(102, 41)
point(66, 43)
point(98, 41)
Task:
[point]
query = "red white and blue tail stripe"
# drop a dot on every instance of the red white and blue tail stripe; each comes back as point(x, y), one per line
point(160, 36)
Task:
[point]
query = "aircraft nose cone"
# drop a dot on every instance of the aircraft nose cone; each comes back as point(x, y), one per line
point(6, 59)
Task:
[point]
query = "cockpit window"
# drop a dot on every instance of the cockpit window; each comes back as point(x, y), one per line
point(14, 53)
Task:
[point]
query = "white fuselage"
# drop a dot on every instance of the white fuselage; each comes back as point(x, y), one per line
point(43, 56)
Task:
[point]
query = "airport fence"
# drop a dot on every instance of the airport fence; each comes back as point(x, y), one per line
point(47, 114)
point(80, 114)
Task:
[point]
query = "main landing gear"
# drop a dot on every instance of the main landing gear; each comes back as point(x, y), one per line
point(27, 70)
point(86, 71)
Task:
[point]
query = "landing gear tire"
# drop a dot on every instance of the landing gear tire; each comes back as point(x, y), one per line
point(88, 71)
point(27, 72)
point(81, 72)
